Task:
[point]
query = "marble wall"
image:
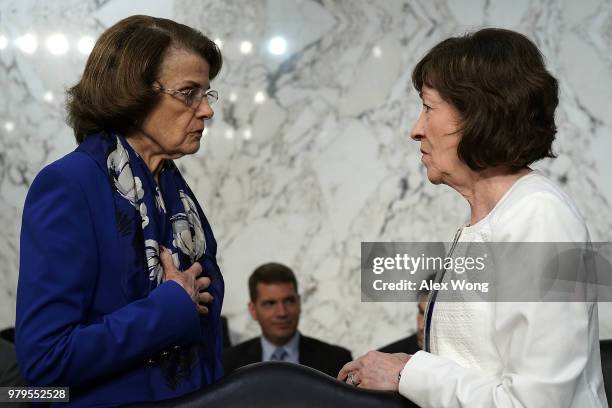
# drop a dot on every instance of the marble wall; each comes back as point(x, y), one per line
point(308, 153)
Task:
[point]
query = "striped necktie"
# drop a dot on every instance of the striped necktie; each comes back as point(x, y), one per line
point(280, 354)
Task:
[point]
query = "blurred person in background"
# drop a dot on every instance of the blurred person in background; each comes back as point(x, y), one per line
point(9, 372)
point(413, 343)
point(276, 305)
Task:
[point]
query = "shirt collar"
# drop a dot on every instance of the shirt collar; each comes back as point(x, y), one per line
point(292, 347)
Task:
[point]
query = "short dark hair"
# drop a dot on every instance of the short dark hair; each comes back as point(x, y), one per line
point(497, 81)
point(115, 92)
point(270, 273)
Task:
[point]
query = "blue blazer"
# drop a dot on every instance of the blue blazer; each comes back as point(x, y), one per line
point(80, 321)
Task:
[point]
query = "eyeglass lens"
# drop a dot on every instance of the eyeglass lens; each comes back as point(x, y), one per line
point(195, 96)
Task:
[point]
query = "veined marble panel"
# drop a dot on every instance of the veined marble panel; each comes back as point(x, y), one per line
point(309, 153)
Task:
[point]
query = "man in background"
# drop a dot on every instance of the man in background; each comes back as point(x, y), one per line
point(276, 305)
point(9, 373)
point(414, 343)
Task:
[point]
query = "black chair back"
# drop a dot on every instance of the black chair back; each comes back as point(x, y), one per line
point(605, 346)
point(277, 384)
point(8, 334)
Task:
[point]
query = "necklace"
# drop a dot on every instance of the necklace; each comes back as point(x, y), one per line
point(433, 294)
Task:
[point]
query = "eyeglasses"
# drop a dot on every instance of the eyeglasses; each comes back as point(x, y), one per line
point(193, 97)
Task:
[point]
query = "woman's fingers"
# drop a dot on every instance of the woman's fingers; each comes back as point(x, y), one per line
point(188, 280)
point(348, 367)
point(375, 370)
point(202, 283)
point(202, 299)
point(205, 297)
point(194, 270)
point(166, 262)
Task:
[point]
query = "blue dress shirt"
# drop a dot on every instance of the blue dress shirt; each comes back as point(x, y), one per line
point(292, 347)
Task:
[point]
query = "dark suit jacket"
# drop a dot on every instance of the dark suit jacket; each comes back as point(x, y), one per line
point(9, 373)
point(406, 345)
point(314, 353)
point(225, 330)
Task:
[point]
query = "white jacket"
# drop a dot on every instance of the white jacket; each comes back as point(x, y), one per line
point(513, 354)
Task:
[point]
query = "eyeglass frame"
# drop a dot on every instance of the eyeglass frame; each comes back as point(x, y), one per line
point(187, 95)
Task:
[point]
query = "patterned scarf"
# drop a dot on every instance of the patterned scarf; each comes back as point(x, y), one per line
point(149, 215)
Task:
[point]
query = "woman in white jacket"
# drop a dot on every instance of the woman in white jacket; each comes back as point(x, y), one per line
point(488, 113)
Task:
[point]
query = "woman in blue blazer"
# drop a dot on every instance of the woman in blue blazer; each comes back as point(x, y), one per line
point(119, 294)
